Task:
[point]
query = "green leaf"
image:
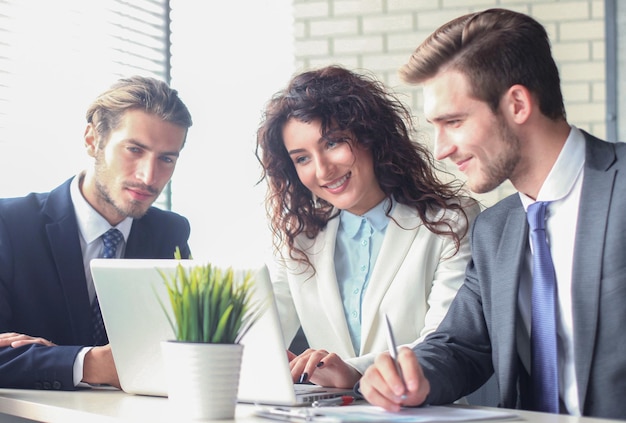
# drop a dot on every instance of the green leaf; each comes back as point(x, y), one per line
point(209, 304)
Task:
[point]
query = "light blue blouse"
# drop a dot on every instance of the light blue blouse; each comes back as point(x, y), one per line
point(358, 243)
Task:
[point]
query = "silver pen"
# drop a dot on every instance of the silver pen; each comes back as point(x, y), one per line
point(393, 352)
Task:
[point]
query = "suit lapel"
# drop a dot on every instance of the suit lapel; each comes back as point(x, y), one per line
point(595, 199)
point(508, 260)
point(139, 241)
point(397, 242)
point(65, 248)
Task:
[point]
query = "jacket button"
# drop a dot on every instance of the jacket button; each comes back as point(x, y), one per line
point(47, 385)
point(56, 385)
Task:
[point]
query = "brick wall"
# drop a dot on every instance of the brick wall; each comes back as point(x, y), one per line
point(380, 35)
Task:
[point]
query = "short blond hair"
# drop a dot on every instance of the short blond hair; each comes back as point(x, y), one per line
point(136, 92)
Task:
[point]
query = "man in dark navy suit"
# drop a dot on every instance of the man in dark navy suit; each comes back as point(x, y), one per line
point(135, 132)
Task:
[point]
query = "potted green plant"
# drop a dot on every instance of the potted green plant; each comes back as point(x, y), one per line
point(211, 309)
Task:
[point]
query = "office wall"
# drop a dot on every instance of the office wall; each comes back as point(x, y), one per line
point(228, 58)
point(380, 35)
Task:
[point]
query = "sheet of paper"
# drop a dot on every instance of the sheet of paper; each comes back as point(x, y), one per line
point(368, 413)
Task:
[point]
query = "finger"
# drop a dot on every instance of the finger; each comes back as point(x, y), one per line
point(17, 344)
point(331, 360)
point(28, 341)
point(301, 360)
point(7, 338)
point(375, 390)
point(410, 368)
point(332, 371)
point(377, 398)
point(6, 335)
point(17, 339)
point(418, 385)
point(5, 342)
point(312, 362)
point(389, 373)
point(294, 359)
point(296, 366)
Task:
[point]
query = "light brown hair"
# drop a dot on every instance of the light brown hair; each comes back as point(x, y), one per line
point(495, 49)
point(136, 92)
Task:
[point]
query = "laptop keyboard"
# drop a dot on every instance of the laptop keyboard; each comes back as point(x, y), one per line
point(301, 388)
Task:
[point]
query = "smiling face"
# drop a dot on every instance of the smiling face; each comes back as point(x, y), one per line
point(336, 169)
point(479, 142)
point(133, 166)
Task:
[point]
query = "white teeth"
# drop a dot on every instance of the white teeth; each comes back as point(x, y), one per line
point(339, 182)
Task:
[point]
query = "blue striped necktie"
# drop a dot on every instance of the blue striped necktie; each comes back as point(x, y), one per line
point(544, 370)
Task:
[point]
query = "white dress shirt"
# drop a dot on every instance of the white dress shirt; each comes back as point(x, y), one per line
point(562, 187)
point(91, 226)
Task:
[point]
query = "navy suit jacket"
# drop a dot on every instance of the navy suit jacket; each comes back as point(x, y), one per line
point(478, 335)
point(43, 289)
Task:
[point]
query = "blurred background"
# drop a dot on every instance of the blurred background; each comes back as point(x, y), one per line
point(226, 59)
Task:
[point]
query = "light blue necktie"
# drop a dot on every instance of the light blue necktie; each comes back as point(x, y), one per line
point(110, 239)
point(544, 366)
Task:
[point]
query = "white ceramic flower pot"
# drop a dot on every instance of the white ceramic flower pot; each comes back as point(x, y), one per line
point(203, 379)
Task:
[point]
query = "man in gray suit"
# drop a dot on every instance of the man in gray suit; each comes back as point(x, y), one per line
point(492, 92)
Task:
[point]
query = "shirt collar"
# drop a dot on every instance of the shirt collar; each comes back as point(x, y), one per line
point(376, 217)
point(91, 224)
point(565, 171)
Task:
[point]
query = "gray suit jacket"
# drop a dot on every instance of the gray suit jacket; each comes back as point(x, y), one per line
point(478, 336)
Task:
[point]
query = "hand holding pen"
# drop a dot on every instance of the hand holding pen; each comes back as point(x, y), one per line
point(393, 352)
point(379, 384)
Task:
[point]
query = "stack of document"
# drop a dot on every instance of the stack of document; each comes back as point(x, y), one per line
point(369, 413)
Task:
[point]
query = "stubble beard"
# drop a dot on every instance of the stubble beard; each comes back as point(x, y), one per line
point(501, 167)
point(134, 209)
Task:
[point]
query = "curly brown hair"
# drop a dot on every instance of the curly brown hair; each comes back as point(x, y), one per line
point(343, 100)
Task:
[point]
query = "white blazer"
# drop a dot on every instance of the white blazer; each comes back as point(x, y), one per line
point(414, 280)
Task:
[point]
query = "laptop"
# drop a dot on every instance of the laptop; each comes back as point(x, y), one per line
point(131, 293)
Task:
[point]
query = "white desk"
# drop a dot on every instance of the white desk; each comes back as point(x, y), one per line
point(109, 406)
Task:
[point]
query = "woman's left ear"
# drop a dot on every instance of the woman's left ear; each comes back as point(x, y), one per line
point(519, 103)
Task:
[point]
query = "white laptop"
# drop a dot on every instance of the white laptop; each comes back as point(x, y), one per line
point(128, 291)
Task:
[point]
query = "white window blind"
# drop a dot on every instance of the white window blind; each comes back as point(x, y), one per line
point(55, 57)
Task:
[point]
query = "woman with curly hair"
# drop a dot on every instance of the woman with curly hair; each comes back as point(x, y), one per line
point(362, 225)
